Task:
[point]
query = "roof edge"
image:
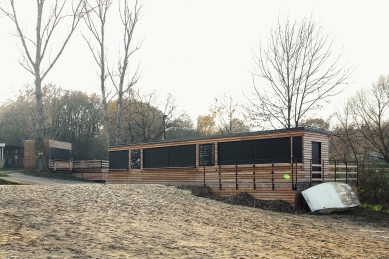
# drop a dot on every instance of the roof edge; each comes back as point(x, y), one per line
point(226, 135)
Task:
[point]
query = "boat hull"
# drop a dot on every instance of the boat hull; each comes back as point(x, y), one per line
point(329, 197)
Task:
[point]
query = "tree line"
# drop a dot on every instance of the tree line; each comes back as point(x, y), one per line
point(77, 117)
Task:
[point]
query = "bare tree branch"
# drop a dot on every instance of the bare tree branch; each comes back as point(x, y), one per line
point(297, 72)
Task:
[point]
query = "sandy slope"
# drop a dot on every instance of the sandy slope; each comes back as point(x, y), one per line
point(155, 221)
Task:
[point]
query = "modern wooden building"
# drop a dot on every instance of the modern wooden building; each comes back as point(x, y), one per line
point(59, 159)
point(55, 150)
point(273, 164)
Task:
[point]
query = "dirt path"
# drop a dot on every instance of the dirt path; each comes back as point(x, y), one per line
point(154, 221)
point(20, 177)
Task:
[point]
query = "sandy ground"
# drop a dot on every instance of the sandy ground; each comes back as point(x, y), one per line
point(155, 221)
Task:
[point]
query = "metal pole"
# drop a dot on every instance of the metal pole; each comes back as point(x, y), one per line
point(220, 183)
point(272, 175)
point(292, 175)
point(296, 175)
point(204, 175)
point(236, 177)
point(310, 172)
point(254, 175)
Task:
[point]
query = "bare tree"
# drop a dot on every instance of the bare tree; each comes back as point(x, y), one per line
point(96, 22)
point(371, 116)
point(40, 47)
point(129, 20)
point(97, 28)
point(345, 141)
point(143, 115)
point(296, 71)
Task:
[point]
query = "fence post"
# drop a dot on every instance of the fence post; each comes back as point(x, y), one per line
point(236, 177)
point(296, 175)
point(204, 175)
point(220, 183)
point(254, 175)
point(346, 171)
point(272, 175)
point(335, 170)
point(310, 172)
point(292, 175)
point(323, 171)
point(356, 163)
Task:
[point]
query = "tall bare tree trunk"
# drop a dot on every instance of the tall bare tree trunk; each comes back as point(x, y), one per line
point(40, 46)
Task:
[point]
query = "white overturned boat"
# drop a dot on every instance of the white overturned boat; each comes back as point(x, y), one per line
point(329, 197)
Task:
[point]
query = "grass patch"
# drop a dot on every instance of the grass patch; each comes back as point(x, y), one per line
point(56, 175)
point(10, 182)
point(374, 207)
point(18, 170)
point(3, 174)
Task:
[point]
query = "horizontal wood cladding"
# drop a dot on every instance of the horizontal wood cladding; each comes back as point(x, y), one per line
point(29, 151)
point(29, 155)
point(211, 140)
point(263, 182)
point(92, 176)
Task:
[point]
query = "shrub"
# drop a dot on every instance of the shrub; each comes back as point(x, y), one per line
point(373, 184)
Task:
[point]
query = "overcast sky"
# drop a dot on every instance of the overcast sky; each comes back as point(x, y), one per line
point(196, 50)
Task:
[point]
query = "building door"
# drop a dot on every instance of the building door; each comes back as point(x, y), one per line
point(316, 159)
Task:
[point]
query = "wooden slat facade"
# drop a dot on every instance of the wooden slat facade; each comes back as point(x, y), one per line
point(29, 152)
point(269, 181)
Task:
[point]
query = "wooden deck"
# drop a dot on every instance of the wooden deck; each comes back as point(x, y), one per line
point(94, 170)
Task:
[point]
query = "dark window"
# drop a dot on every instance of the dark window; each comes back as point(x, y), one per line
point(182, 156)
point(177, 156)
point(316, 153)
point(156, 157)
point(118, 160)
point(276, 150)
point(316, 158)
point(235, 153)
point(297, 149)
point(59, 154)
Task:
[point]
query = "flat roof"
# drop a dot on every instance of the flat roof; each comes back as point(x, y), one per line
point(226, 135)
point(9, 145)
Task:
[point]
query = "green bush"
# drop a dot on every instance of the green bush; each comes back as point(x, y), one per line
point(373, 184)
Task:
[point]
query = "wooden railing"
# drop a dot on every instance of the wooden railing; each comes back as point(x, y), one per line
point(279, 175)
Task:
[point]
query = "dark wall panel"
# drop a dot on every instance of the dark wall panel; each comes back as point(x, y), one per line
point(235, 153)
point(59, 154)
point(182, 156)
point(156, 157)
point(297, 149)
point(276, 150)
point(118, 160)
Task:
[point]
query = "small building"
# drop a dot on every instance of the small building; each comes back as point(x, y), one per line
point(11, 155)
point(270, 165)
point(58, 155)
point(59, 159)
